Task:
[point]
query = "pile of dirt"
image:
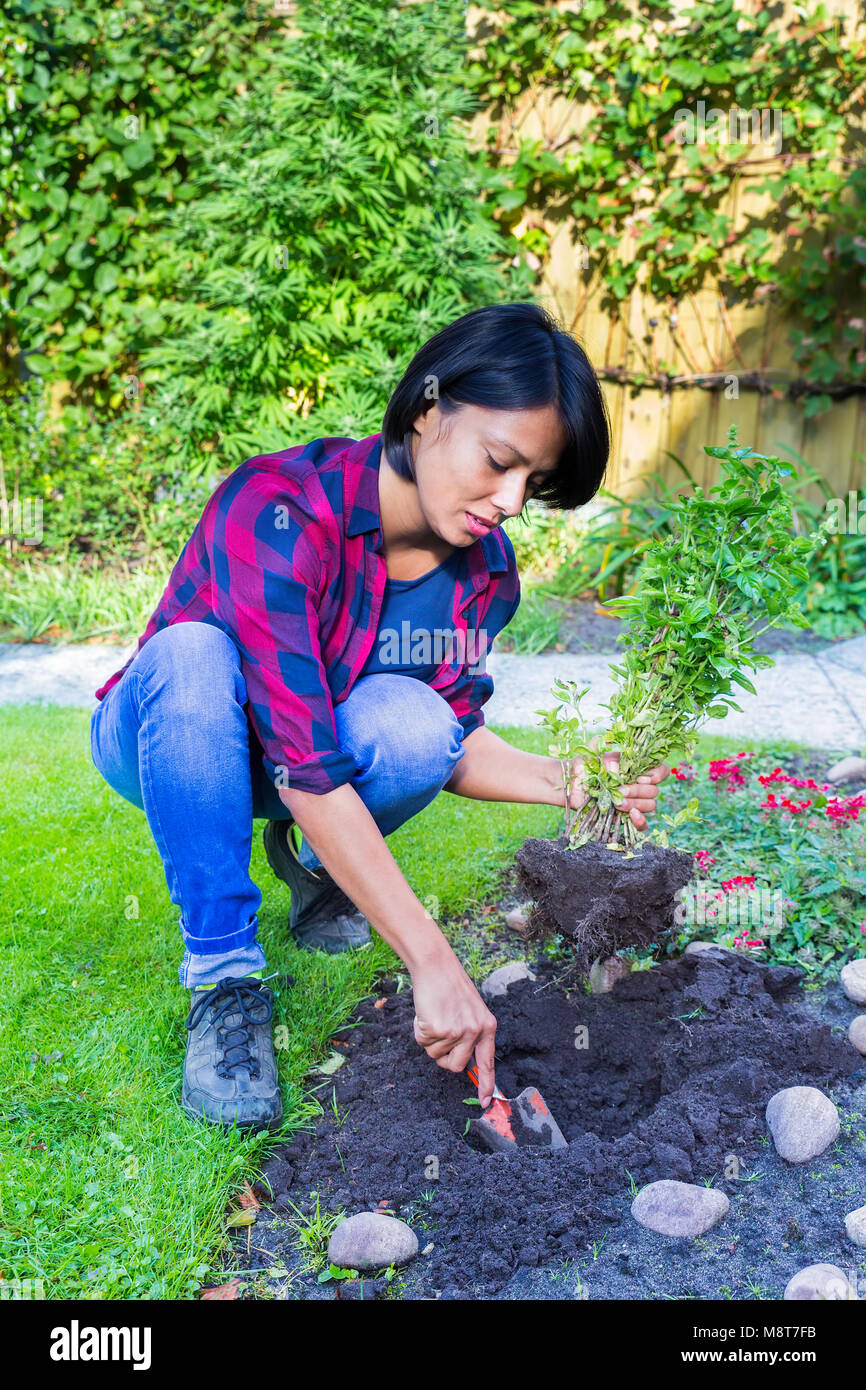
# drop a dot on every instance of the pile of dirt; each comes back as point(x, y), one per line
point(663, 1078)
point(601, 899)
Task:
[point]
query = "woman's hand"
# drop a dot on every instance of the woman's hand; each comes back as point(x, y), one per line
point(638, 798)
point(452, 1021)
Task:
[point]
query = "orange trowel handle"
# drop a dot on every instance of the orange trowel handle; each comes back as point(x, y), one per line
point(472, 1073)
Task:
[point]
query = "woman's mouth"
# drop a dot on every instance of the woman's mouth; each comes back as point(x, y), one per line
point(477, 525)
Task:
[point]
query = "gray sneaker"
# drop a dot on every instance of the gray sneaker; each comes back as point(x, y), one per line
point(321, 916)
point(229, 1073)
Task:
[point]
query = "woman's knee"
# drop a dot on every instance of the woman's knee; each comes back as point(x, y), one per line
point(194, 662)
point(401, 722)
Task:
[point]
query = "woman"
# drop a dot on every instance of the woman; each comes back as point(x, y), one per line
point(289, 672)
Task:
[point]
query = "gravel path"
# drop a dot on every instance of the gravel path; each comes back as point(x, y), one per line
point(815, 696)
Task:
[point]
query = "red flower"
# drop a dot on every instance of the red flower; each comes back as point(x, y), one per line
point(741, 881)
point(684, 774)
point(728, 769)
point(777, 775)
point(845, 808)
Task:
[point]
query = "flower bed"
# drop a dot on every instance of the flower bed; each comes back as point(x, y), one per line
point(779, 874)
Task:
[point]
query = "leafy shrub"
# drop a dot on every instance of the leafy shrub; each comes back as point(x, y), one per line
point(103, 487)
point(101, 101)
point(337, 223)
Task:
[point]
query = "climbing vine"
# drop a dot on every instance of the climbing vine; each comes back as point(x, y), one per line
point(648, 177)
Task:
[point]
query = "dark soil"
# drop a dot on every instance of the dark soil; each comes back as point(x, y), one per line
point(601, 899)
point(585, 629)
point(666, 1077)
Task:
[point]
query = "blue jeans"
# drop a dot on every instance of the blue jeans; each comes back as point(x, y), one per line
point(173, 737)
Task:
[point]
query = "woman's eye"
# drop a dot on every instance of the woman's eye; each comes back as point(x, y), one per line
point(499, 468)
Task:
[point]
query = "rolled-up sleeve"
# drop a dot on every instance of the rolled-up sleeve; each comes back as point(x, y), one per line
point(268, 569)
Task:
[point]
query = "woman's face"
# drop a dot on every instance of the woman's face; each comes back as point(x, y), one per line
point(481, 465)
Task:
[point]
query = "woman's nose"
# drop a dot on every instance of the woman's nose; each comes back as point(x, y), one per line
point(509, 496)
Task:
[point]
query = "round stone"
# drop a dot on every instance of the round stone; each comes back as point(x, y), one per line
point(821, 1281)
point(697, 948)
point(803, 1122)
point(857, 1033)
point(371, 1240)
point(853, 979)
point(605, 973)
point(846, 770)
point(855, 1225)
point(516, 920)
point(679, 1208)
point(497, 983)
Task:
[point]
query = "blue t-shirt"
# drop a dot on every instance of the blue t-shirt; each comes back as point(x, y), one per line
point(414, 635)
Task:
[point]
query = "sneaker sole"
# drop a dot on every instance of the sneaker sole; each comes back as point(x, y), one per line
point(274, 1123)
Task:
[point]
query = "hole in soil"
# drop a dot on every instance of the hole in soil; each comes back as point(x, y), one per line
point(671, 1073)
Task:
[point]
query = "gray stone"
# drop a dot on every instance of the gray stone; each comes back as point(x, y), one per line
point(855, 1225)
point(821, 1281)
point(371, 1240)
point(846, 770)
point(857, 1033)
point(853, 977)
point(497, 982)
point(516, 920)
point(697, 948)
point(679, 1208)
point(605, 973)
point(803, 1122)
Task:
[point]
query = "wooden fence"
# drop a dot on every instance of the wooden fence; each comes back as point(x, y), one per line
point(749, 344)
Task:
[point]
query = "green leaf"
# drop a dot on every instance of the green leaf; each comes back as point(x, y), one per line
point(57, 198)
point(138, 153)
point(38, 363)
point(106, 277)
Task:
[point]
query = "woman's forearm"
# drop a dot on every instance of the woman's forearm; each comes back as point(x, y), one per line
point(350, 845)
point(492, 770)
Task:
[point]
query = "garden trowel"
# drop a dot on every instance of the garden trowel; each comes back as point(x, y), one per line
point(508, 1125)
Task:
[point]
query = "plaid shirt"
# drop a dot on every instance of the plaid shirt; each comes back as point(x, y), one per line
point(286, 559)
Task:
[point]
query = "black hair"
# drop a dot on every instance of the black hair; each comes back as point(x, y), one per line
point(508, 357)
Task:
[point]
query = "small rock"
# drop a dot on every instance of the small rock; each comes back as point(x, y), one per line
point(697, 948)
point(857, 1033)
point(819, 1281)
point(853, 977)
point(679, 1208)
point(497, 982)
point(846, 770)
point(803, 1122)
point(370, 1240)
point(516, 920)
point(428, 1248)
point(605, 973)
point(855, 1225)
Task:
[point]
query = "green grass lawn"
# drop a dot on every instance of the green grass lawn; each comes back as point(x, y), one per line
point(108, 1189)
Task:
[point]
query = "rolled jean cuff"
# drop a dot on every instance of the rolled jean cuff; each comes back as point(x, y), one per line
point(197, 968)
point(219, 945)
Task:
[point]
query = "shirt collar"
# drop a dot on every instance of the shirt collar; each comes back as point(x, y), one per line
point(485, 556)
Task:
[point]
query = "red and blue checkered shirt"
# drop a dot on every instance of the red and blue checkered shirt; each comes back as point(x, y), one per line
point(286, 559)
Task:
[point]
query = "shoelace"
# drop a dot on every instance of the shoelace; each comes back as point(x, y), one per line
point(234, 1041)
